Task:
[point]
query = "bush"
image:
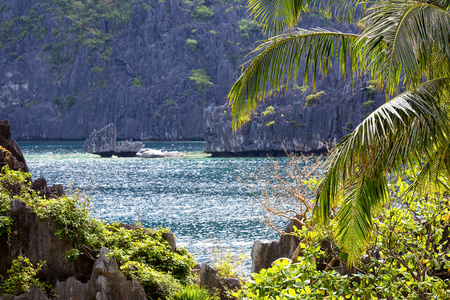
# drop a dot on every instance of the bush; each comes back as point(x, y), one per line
point(192, 44)
point(192, 293)
point(137, 82)
point(247, 27)
point(269, 111)
point(311, 99)
point(202, 80)
point(407, 257)
point(141, 253)
point(21, 276)
point(368, 104)
point(203, 13)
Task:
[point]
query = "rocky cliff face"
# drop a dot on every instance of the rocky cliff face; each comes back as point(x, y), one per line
point(129, 63)
point(292, 122)
point(150, 67)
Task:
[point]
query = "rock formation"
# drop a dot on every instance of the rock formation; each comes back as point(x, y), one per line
point(60, 82)
point(207, 278)
point(292, 124)
point(264, 254)
point(10, 153)
point(103, 142)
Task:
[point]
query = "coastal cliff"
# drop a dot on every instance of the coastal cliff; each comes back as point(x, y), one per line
point(158, 70)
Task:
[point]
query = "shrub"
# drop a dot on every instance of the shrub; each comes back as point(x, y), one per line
point(192, 292)
point(192, 44)
point(269, 111)
point(247, 27)
point(311, 99)
point(58, 102)
point(21, 276)
point(97, 69)
point(407, 257)
point(141, 253)
point(169, 102)
point(70, 101)
point(213, 32)
point(368, 104)
point(270, 123)
point(202, 80)
point(203, 13)
point(137, 82)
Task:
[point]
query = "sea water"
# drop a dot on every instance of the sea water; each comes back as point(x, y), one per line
point(198, 197)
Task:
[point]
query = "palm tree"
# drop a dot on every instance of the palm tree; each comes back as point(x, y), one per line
point(405, 45)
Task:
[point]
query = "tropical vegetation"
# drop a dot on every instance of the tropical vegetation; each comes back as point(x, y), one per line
point(141, 253)
point(404, 50)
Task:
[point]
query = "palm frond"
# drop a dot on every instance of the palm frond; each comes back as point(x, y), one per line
point(415, 43)
point(276, 15)
point(396, 135)
point(277, 62)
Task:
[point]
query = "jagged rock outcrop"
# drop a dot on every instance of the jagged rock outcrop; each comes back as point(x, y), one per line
point(106, 282)
point(207, 278)
point(264, 254)
point(60, 82)
point(292, 125)
point(10, 153)
point(103, 142)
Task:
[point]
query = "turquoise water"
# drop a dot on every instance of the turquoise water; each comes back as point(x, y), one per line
point(196, 196)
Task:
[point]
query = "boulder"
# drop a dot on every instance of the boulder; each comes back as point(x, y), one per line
point(264, 254)
point(217, 286)
point(102, 142)
point(10, 153)
point(106, 282)
point(153, 153)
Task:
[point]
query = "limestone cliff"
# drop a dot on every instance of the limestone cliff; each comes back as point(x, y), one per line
point(157, 69)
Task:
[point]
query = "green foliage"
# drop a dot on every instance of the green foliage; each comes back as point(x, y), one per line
point(213, 32)
point(31, 103)
point(234, 57)
point(370, 90)
point(97, 69)
point(311, 99)
point(368, 104)
point(247, 27)
point(70, 101)
point(169, 102)
point(192, 44)
point(269, 111)
point(137, 82)
point(296, 124)
point(350, 123)
point(227, 264)
point(21, 276)
point(192, 292)
point(406, 258)
point(141, 253)
point(203, 13)
point(270, 123)
point(58, 102)
point(202, 80)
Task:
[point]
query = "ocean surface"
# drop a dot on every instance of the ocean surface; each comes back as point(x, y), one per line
point(197, 196)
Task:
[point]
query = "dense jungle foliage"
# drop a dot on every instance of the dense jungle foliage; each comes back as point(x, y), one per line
point(141, 253)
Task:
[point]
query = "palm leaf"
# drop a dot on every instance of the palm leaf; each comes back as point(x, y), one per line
point(277, 64)
point(415, 43)
point(396, 135)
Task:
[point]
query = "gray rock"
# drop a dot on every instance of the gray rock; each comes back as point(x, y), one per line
point(34, 293)
point(106, 282)
point(102, 142)
point(222, 286)
point(129, 146)
point(264, 254)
